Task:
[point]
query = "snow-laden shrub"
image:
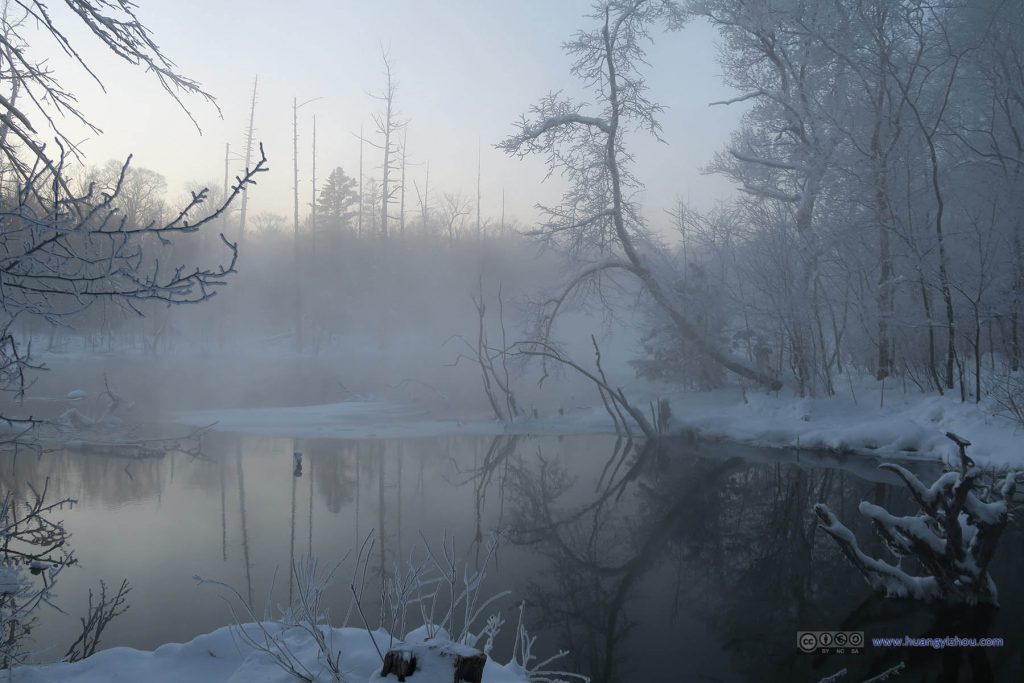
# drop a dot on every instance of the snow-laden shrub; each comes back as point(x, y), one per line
point(437, 591)
point(953, 537)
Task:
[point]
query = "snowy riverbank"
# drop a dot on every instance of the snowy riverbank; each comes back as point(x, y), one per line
point(906, 426)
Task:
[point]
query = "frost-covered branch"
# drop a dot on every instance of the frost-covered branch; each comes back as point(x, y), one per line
point(33, 551)
point(763, 161)
point(71, 250)
point(534, 131)
point(38, 100)
point(98, 617)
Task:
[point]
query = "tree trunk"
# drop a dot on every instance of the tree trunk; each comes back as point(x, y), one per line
point(248, 160)
point(1018, 299)
point(295, 179)
point(359, 218)
point(926, 301)
point(885, 269)
point(466, 664)
point(401, 210)
point(682, 324)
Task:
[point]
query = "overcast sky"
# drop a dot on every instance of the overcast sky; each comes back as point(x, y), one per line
point(466, 70)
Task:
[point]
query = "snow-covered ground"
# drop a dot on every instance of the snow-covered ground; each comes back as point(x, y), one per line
point(906, 426)
point(221, 657)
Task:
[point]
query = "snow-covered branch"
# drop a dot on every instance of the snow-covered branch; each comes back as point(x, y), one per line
point(536, 130)
point(770, 163)
point(954, 537)
point(739, 98)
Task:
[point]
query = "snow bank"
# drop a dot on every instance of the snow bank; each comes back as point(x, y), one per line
point(381, 419)
point(219, 657)
point(907, 426)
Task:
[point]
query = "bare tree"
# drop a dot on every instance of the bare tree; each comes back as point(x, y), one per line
point(388, 125)
point(297, 266)
point(269, 224)
point(73, 250)
point(227, 176)
point(424, 200)
point(64, 250)
point(919, 78)
point(312, 204)
point(995, 135)
point(42, 100)
point(248, 158)
point(496, 378)
point(597, 221)
point(478, 192)
point(140, 197)
point(359, 218)
point(401, 200)
point(454, 210)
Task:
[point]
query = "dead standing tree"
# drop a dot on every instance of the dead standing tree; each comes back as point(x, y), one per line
point(297, 267)
point(248, 158)
point(388, 125)
point(597, 222)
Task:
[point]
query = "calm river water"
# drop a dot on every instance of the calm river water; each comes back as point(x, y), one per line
point(692, 562)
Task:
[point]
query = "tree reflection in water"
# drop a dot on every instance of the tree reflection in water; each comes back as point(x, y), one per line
point(724, 551)
point(658, 561)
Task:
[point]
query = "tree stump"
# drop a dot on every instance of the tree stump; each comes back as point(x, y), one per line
point(400, 662)
point(434, 660)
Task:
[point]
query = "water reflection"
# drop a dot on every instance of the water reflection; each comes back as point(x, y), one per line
point(679, 561)
point(715, 563)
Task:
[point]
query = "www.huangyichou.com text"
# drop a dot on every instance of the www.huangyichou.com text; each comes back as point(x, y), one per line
point(937, 643)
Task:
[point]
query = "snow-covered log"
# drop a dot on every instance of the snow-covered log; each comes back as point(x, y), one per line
point(953, 537)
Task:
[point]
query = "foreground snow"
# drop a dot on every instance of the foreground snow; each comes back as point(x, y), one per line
point(906, 426)
point(220, 657)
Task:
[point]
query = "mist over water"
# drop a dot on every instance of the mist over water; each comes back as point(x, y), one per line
point(699, 536)
point(394, 321)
